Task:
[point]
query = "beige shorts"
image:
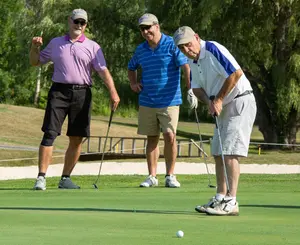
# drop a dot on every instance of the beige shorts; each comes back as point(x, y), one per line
point(154, 120)
point(235, 123)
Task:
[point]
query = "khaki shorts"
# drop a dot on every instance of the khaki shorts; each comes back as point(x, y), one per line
point(153, 120)
point(235, 123)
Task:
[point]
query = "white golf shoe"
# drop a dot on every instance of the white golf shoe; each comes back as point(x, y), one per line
point(224, 208)
point(40, 183)
point(171, 182)
point(202, 208)
point(66, 183)
point(149, 182)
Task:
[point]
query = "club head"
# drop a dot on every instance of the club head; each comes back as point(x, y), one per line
point(212, 186)
point(95, 186)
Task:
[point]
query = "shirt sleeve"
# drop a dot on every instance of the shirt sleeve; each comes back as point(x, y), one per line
point(222, 60)
point(45, 54)
point(180, 58)
point(133, 63)
point(98, 62)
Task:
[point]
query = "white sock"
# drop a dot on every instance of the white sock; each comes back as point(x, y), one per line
point(219, 197)
point(233, 199)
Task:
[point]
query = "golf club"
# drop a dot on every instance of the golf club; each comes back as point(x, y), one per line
point(104, 146)
point(202, 149)
point(221, 148)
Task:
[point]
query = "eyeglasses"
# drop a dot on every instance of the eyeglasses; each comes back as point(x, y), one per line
point(81, 22)
point(143, 28)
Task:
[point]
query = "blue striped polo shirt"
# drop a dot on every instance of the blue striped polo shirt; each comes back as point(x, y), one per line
point(160, 73)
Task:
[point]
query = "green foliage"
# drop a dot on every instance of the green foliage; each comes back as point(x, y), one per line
point(264, 37)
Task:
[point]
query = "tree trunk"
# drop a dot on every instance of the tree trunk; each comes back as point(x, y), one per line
point(264, 119)
point(292, 128)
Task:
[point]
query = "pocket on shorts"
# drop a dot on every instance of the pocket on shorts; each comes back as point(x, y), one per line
point(239, 107)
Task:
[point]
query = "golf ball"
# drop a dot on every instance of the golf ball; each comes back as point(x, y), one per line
point(179, 234)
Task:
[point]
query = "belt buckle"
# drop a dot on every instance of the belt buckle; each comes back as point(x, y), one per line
point(76, 86)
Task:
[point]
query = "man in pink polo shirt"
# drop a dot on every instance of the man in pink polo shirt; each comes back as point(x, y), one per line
point(74, 57)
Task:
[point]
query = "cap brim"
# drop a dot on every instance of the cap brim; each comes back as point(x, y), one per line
point(79, 17)
point(183, 40)
point(147, 23)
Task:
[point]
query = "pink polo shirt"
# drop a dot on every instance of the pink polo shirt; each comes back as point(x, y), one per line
point(73, 62)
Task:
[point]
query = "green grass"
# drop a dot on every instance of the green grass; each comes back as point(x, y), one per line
point(121, 213)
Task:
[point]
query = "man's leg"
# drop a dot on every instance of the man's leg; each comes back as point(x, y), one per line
point(220, 177)
point(71, 158)
point(170, 152)
point(152, 154)
point(168, 119)
point(228, 205)
point(148, 125)
point(45, 157)
point(72, 154)
point(233, 174)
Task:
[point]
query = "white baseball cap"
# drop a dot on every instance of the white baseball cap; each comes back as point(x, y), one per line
point(148, 19)
point(79, 14)
point(183, 35)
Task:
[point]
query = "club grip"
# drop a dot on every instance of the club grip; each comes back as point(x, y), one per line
point(110, 118)
point(212, 97)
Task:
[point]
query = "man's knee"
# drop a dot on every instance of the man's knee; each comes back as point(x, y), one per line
point(48, 138)
point(75, 140)
point(169, 137)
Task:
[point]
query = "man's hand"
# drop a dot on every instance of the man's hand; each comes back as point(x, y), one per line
point(114, 100)
point(37, 42)
point(215, 107)
point(192, 99)
point(136, 87)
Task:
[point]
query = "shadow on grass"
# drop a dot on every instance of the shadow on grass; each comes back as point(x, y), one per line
point(100, 210)
point(269, 206)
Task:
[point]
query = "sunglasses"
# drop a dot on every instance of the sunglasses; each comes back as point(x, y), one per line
point(143, 28)
point(81, 22)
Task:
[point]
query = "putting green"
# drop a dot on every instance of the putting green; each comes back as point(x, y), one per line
point(121, 213)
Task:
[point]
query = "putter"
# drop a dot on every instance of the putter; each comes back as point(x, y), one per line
point(202, 149)
point(221, 148)
point(104, 146)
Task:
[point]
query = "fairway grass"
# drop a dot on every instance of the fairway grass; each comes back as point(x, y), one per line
point(21, 127)
point(121, 213)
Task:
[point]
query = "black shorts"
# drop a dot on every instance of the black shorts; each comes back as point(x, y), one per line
point(73, 101)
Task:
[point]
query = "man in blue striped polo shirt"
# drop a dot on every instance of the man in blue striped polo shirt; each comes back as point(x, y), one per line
point(159, 95)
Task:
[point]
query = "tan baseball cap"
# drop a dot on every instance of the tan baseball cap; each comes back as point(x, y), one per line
point(183, 35)
point(79, 14)
point(148, 19)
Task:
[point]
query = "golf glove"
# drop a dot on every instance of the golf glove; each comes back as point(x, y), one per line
point(192, 99)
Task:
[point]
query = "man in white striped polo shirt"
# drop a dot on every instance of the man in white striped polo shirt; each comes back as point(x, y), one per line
point(219, 82)
point(159, 95)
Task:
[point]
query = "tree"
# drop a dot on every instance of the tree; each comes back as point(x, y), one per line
point(264, 36)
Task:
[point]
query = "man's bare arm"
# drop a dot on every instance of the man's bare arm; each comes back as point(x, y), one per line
point(34, 55)
point(134, 84)
point(201, 95)
point(187, 75)
point(229, 84)
point(108, 80)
